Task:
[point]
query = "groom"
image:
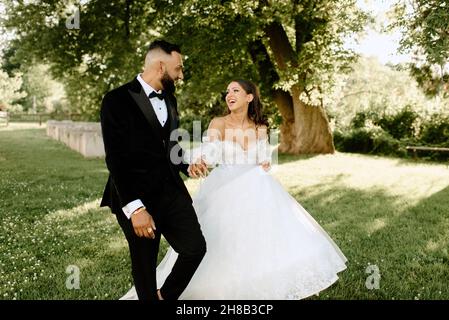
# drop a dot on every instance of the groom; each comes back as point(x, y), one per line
point(144, 189)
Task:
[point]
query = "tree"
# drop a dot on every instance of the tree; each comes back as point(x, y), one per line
point(43, 93)
point(91, 60)
point(378, 90)
point(10, 91)
point(424, 25)
point(290, 48)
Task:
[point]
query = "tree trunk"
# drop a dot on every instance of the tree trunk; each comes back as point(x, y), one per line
point(308, 131)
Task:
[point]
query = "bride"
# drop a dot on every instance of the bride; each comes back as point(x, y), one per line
point(261, 243)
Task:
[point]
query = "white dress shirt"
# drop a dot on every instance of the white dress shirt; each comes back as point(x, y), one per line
point(160, 108)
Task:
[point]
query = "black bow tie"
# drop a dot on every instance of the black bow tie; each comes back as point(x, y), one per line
point(154, 94)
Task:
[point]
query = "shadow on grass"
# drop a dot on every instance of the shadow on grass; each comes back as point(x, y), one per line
point(409, 160)
point(286, 158)
point(50, 220)
point(407, 243)
point(421, 161)
point(50, 216)
point(46, 173)
point(15, 127)
point(41, 177)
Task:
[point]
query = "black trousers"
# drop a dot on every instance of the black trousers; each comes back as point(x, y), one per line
point(176, 220)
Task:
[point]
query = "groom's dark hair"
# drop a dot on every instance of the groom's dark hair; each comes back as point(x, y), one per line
point(167, 47)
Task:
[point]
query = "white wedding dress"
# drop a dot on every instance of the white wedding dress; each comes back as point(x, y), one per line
point(261, 243)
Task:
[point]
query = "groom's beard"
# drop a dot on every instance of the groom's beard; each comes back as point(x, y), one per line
point(168, 83)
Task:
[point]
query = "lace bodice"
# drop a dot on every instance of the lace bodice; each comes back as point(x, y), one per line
point(229, 153)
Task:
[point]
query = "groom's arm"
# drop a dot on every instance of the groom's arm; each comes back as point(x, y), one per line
point(183, 166)
point(115, 130)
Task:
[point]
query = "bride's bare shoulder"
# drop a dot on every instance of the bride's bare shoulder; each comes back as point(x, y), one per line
point(216, 128)
point(217, 122)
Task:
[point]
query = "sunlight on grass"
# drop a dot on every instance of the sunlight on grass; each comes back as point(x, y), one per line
point(74, 212)
point(361, 172)
point(387, 212)
point(118, 243)
point(376, 225)
point(14, 126)
point(439, 244)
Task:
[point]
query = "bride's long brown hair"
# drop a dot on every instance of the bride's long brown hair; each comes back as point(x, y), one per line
point(255, 106)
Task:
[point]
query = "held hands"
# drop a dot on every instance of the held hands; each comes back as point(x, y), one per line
point(143, 223)
point(198, 169)
point(265, 165)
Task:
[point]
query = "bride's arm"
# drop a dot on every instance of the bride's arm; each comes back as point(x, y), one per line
point(212, 141)
point(209, 150)
point(263, 148)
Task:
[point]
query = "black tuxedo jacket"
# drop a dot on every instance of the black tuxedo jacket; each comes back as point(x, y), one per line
point(137, 152)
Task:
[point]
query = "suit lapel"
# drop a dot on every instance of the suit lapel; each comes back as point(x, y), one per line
point(144, 104)
point(172, 113)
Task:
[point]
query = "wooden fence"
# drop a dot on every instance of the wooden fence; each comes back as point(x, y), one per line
point(43, 117)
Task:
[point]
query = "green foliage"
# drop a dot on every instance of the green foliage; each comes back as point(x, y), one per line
point(390, 134)
point(92, 60)
point(9, 64)
point(356, 140)
point(399, 125)
point(424, 27)
point(385, 144)
point(215, 36)
point(359, 120)
point(380, 110)
point(435, 130)
point(43, 92)
point(368, 140)
point(375, 89)
point(10, 91)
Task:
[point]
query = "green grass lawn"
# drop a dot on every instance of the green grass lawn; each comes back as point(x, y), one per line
point(387, 212)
